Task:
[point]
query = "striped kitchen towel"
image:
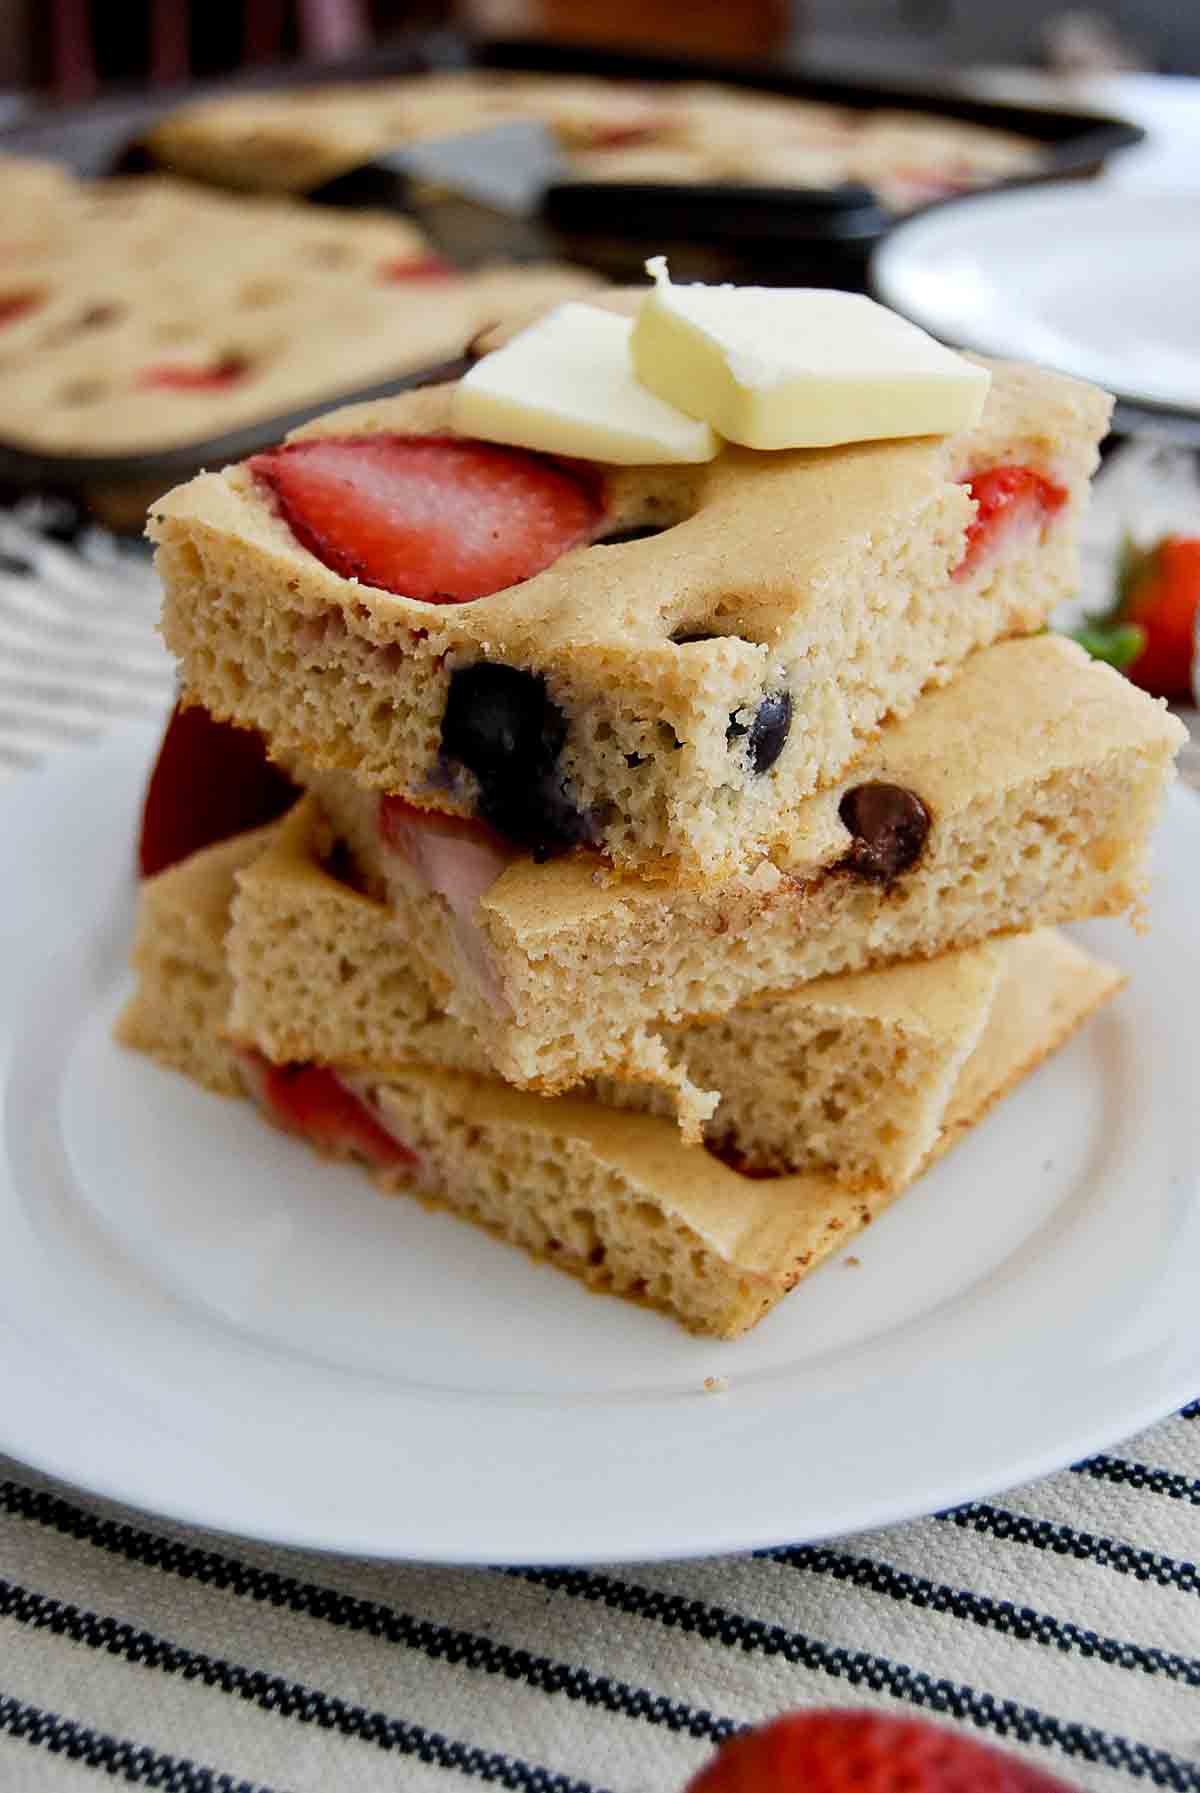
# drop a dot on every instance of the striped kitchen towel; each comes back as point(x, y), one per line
point(79, 648)
point(1061, 1620)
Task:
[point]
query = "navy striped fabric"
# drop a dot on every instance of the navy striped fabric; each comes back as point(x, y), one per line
point(1061, 1620)
point(79, 652)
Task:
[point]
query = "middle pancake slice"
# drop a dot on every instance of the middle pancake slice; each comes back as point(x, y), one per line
point(846, 1075)
point(1021, 795)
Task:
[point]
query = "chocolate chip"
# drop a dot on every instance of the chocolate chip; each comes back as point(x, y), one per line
point(768, 732)
point(890, 826)
point(12, 564)
point(501, 724)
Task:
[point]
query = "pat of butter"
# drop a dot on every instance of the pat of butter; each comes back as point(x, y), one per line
point(566, 385)
point(799, 367)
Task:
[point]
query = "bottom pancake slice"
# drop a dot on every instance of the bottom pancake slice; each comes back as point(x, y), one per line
point(619, 1201)
point(613, 1197)
point(177, 1012)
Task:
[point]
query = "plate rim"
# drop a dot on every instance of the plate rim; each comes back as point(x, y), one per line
point(644, 1540)
point(892, 290)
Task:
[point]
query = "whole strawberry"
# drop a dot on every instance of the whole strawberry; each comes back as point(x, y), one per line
point(1162, 596)
point(1149, 633)
point(864, 1752)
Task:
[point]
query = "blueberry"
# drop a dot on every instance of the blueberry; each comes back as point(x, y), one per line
point(499, 721)
point(768, 732)
point(542, 817)
point(501, 724)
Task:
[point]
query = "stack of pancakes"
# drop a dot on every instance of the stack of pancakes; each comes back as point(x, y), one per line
point(747, 911)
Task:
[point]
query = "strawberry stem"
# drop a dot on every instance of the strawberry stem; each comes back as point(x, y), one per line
point(1117, 644)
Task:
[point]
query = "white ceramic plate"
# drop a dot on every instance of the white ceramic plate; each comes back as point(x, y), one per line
point(1093, 280)
point(199, 1316)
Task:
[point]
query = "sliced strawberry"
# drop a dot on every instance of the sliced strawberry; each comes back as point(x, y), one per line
point(402, 822)
point(1004, 496)
point(210, 781)
point(430, 517)
point(313, 1101)
point(457, 859)
point(625, 136)
point(864, 1752)
point(183, 376)
point(422, 267)
point(15, 305)
point(1163, 599)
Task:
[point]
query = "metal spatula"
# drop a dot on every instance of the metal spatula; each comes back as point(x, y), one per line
point(477, 194)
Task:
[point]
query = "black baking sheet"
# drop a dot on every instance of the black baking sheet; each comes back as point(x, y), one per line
point(711, 231)
point(1073, 143)
point(30, 469)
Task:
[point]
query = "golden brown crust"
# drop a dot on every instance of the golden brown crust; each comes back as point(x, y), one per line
point(772, 536)
point(178, 1010)
point(825, 575)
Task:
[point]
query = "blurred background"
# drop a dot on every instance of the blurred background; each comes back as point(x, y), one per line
point(68, 47)
point(985, 169)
